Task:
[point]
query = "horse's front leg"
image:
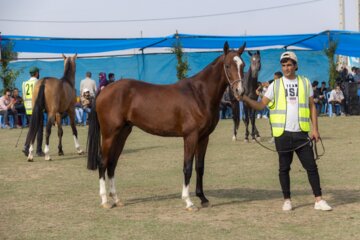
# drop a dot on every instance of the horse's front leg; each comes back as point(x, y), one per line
point(254, 131)
point(200, 167)
point(49, 124)
point(246, 122)
point(189, 150)
point(236, 118)
point(75, 133)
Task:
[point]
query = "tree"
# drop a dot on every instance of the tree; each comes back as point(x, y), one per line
point(7, 75)
point(330, 53)
point(182, 67)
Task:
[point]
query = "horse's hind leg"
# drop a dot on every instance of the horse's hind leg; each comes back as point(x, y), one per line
point(200, 166)
point(115, 152)
point(74, 131)
point(49, 124)
point(189, 151)
point(110, 154)
point(60, 134)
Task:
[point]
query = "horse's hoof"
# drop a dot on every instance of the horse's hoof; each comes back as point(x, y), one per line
point(206, 204)
point(30, 160)
point(107, 205)
point(61, 153)
point(47, 158)
point(119, 204)
point(80, 152)
point(192, 208)
point(246, 140)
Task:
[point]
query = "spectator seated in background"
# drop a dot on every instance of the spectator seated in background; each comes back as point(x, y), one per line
point(19, 105)
point(86, 100)
point(79, 111)
point(337, 97)
point(316, 96)
point(322, 93)
point(7, 107)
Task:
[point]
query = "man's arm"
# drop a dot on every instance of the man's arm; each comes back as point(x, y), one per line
point(255, 104)
point(313, 116)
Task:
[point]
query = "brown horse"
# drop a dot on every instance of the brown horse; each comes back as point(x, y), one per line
point(56, 96)
point(188, 109)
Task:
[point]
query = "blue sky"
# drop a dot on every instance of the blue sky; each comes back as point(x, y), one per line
point(299, 16)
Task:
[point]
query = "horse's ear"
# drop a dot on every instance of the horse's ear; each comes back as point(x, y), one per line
point(250, 54)
point(64, 57)
point(241, 49)
point(226, 48)
point(258, 52)
point(75, 56)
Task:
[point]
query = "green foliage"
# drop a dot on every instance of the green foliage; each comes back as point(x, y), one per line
point(182, 67)
point(330, 53)
point(7, 75)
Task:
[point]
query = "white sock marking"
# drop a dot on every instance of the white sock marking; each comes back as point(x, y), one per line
point(186, 196)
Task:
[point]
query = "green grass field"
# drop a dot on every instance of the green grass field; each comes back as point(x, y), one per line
point(59, 199)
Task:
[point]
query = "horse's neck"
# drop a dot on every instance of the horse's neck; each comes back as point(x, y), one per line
point(210, 83)
point(69, 76)
point(251, 81)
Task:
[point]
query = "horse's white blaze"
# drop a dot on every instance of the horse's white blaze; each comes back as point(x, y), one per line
point(186, 196)
point(238, 62)
point(103, 191)
point(77, 145)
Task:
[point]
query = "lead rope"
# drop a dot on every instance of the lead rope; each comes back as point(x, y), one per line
point(317, 156)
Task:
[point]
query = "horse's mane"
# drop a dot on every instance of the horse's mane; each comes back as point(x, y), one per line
point(206, 68)
point(68, 71)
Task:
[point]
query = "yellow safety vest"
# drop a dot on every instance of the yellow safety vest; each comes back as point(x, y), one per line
point(278, 106)
point(28, 89)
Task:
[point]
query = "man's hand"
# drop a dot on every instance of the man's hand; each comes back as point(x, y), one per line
point(315, 135)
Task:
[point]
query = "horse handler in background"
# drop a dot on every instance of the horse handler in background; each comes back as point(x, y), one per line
point(291, 104)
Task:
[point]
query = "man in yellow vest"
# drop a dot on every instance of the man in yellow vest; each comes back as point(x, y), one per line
point(291, 104)
point(28, 88)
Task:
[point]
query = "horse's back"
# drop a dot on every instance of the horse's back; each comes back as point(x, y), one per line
point(59, 95)
point(157, 109)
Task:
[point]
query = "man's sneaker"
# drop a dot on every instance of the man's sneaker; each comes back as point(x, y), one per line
point(287, 205)
point(7, 126)
point(322, 205)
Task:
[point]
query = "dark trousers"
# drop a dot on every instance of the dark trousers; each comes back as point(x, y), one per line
point(39, 138)
point(289, 141)
point(6, 114)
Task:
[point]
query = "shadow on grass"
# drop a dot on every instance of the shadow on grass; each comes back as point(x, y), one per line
point(243, 195)
point(75, 156)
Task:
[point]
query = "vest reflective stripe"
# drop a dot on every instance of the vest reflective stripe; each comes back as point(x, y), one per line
point(278, 107)
point(28, 89)
point(304, 109)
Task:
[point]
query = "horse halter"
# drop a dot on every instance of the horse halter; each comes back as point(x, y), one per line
point(228, 79)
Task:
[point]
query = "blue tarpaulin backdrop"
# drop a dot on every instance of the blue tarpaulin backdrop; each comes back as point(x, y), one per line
point(348, 42)
point(161, 68)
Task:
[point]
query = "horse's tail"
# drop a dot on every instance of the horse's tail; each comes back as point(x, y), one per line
point(93, 141)
point(36, 121)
